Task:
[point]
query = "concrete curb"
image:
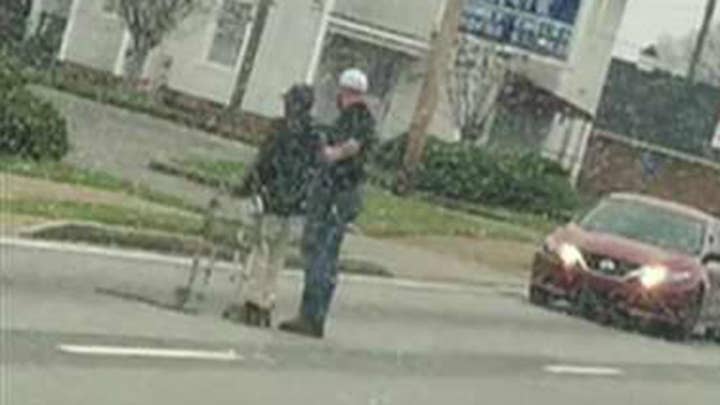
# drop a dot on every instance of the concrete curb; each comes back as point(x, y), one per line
point(510, 289)
point(169, 243)
point(173, 169)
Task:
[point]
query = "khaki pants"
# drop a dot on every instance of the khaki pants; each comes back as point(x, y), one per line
point(269, 239)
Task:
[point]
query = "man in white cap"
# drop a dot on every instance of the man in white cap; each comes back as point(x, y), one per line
point(334, 201)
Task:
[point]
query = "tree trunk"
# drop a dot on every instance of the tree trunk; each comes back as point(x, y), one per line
point(487, 127)
point(442, 50)
point(135, 59)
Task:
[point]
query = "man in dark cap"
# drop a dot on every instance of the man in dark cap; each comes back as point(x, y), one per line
point(277, 185)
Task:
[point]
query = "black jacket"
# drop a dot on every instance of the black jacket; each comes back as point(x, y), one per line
point(355, 122)
point(283, 168)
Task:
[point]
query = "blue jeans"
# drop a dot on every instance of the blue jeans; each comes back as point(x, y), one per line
point(321, 267)
point(328, 214)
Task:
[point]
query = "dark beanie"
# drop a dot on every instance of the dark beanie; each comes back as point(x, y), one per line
point(301, 96)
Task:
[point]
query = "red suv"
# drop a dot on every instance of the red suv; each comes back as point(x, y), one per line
point(635, 259)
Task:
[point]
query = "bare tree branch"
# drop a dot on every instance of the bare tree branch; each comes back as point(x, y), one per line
point(475, 83)
point(149, 22)
point(676, 53)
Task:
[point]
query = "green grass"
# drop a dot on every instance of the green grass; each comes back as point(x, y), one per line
point(107, 214)
point(387, 215)
point(220, 171)
point(60, 172)
point(533, 221)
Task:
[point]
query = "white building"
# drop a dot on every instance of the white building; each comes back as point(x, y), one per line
point(311, 40)
point(303, 40)
point(577, 82)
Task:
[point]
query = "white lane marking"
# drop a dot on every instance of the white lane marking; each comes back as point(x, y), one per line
point(93, 250)
point(579, 370)
point(120, 351)
point(174, 260)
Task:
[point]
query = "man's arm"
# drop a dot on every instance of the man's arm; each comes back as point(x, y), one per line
point(250, 183)
point(361, 134)
point(343, 151)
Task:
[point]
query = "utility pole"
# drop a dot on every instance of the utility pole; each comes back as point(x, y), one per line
point(443, 43)
point(701, 40)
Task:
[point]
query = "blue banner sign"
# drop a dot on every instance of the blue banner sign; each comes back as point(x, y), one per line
point(543, 27)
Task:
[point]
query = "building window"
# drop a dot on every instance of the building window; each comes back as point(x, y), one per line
point(230, 33)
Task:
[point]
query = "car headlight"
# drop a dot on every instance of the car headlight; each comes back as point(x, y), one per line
point(570, 255)
point(652, 276)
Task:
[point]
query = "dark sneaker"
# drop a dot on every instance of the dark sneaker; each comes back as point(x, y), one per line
point(304, 327)
point(236, 313)
point(250, 314)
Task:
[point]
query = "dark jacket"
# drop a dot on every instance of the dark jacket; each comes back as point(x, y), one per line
point(283, 168)
point(355, 122)
point(336, 193)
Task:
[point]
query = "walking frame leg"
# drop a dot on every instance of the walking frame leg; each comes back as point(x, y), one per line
point(183, 295)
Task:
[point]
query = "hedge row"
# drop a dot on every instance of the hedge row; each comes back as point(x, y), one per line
point(523, 182)
point(660, 108)
point(29, 127)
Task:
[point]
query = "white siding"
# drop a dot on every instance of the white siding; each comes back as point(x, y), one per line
point(285, 54)
point(94, 37)
point(581, 81)
point(191, 72)
point(414, 18)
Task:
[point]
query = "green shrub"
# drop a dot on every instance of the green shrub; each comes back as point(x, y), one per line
point(11, 77)
point(517, 181)
point(30, 127)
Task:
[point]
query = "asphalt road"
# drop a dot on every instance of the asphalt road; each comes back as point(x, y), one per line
point(64, 341)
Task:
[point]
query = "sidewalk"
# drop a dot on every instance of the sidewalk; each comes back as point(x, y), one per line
point(124, 143)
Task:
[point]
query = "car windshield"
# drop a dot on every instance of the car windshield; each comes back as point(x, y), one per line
point(649, 224)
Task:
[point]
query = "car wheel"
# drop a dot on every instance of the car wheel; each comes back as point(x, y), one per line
point(538, 296)
point(683, 331)
point(585, 305)
point(622, 320)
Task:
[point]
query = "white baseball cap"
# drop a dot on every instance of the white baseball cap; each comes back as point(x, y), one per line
point(354, 79)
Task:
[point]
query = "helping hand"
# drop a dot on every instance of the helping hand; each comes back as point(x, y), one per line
point(330, 154)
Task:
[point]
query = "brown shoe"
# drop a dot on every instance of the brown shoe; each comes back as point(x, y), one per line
point(304, 327)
